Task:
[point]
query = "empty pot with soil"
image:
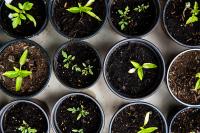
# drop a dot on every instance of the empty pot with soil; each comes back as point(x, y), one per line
point(24, 68)
point(186, 121)
point(77, 65)
point(133, 18)
point(138, 117)
point(134, 68)
point(77, 112)
point(183, 77)
point(181, 21)
point(78, 18)
point(23, 18)
point(23, 116)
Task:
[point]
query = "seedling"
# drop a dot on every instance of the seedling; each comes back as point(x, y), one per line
point(194, 12)
point(149, 129)
point(87, 70)
point(124, 18)
point(139, 68)
point(25, 128)
point(141, 8)
point(84, 9)
point(19, 74)
point(80, 110)
point(20, 14)
point(197, 85)
point(67, 59)
point(77, 130)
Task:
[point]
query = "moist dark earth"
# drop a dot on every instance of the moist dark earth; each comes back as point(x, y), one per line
point(182, 77)
point(130, 119)
point(27, 112)
point(77, 25)
point(27, 27)
point(176, 23)
point(83, 54)
point(37, 63)
point(187, 121)
point(67, 121)
point(129, 85)
point(140, 23)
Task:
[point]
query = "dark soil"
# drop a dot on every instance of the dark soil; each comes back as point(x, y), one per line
point(130, 119)
point(140, 23)
point(27, 27)
point(187, 121)
point(129, 85)
point(27, 112)
point(77, 25)
point(67, 121)
point(182, 77)
point(37, 62)
point(176, 23)
point(83, 54)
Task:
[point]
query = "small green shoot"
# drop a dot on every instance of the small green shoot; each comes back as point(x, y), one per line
point(18, 73)
point(20, 14)
point(141, 8)
point(124, 18)
point(84, 9)
point(197, 85)
point(139, 68)
point(194, 12)
point(80, 110)
point(25, 128)
point(149, 129)
point(77, 130)
point(192, 132)
point(68, 60)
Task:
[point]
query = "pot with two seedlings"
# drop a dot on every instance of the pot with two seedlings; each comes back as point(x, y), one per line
point(181, 22)
point(23, 18)
point(134, 68)
point(77, 113)
point(24, 68)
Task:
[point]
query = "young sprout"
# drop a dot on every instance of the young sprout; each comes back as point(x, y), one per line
point(25, 128)
point(139, 68)
point(87, 70)
point(81, 112)
point(76, 68)
point(20, 13)
point(149, 129)
point(84, 9)
point(19, 74)
point(67, 59)
point(197, 85)
point(77, 130)
point(194, 12)
point(141, 8)
point(124, 18)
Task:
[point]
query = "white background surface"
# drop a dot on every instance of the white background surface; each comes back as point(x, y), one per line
point(103, 41)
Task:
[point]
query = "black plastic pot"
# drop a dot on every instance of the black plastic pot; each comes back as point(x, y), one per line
point(54, 122)
point(117, 30)
point(186, 120)
point(138, 105)
point(125, 45)
point(45, 56)
point(56, 27)
point(16, 34)
point(176, 72)
point(176, 37)
point(84, 50)
point(34, 103)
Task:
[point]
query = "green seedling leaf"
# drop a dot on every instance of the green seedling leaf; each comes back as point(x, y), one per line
point(192, 19)
point(32, 19)
point(22, 16)
point(15, 22)
point(197, 75)
point(11, 74)
point(148, 130)
point(195, 11)
point(27, 6)
point(20, 6)
point(77, 130)
point(149, 65)
point(18, 83)
point(24, 128)
point(89, 3)
point(140, 73)
point(135, 64)
point(23, 58)
point(146, 119)
point(93, 15)
point(74, 10)
point(11, 7)
point(64, 54)
point(25, 73)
